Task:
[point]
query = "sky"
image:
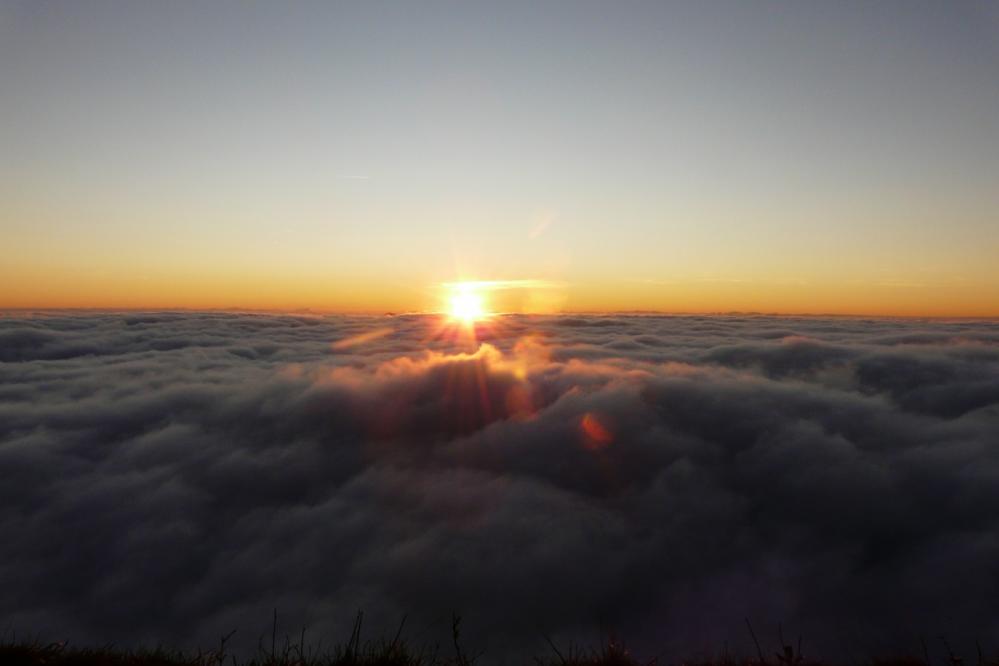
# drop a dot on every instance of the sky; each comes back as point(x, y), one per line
point(684, 157)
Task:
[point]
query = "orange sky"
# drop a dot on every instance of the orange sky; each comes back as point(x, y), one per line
point(105, 289)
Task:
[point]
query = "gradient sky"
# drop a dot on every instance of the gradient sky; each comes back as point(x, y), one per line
point(799, 157)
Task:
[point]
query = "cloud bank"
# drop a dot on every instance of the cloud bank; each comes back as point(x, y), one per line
point(172, 476)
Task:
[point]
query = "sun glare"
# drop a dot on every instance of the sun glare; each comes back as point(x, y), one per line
point(467, 304)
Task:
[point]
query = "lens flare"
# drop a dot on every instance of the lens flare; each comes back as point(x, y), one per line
point(597, 436)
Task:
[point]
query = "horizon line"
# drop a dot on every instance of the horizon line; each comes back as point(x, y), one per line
point(431, 313)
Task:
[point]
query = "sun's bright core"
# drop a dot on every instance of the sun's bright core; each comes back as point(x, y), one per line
point(467, 305)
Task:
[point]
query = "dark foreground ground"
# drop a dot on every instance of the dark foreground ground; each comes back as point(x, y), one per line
point(397, 652)
point(381, 654)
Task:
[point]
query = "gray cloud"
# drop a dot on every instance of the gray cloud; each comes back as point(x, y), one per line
point(170, 476)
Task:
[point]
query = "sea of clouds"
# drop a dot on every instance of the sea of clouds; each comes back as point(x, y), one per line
point(169, 477)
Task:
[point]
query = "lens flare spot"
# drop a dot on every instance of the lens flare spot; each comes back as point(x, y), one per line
point(597, 436)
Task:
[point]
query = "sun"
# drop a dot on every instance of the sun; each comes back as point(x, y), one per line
point(467, 304)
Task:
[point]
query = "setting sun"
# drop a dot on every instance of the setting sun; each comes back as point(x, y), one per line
point(467, 304)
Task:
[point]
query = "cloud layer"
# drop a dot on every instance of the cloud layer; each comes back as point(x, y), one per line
point(171, 476)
